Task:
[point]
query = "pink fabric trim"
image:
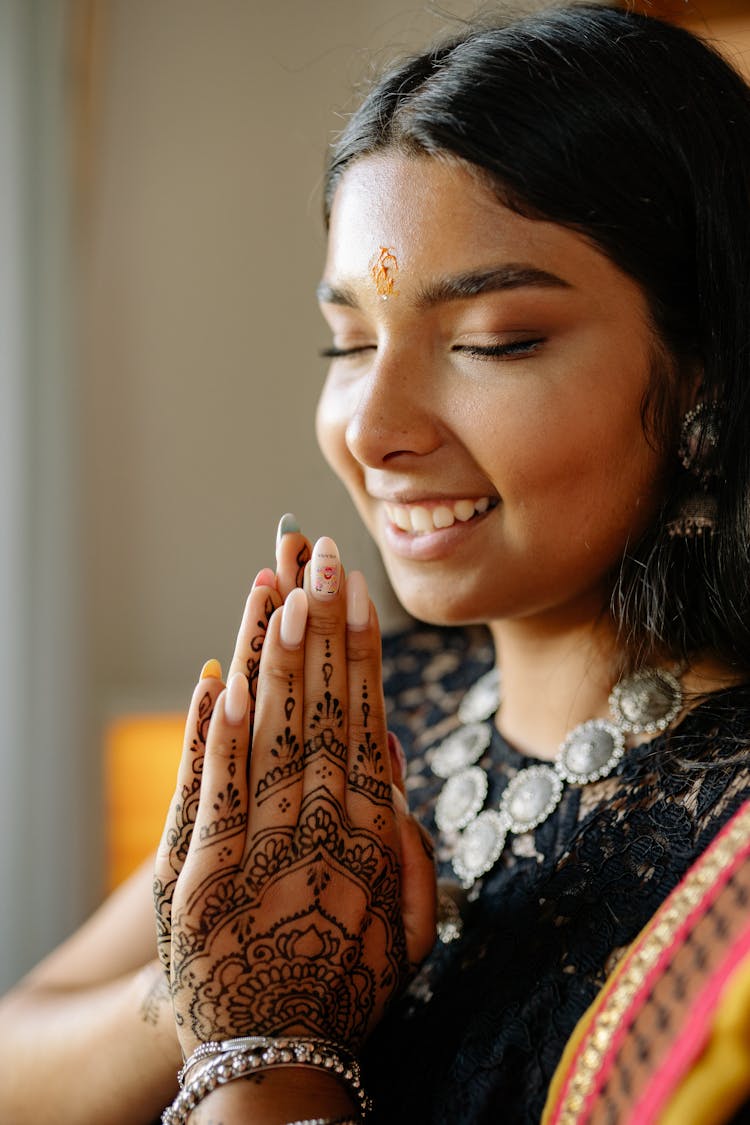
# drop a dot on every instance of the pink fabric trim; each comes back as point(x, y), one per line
point(694, 1037)
point(635, 1005)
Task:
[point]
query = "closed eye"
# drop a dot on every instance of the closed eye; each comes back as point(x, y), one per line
point(342, 353)
point(499, 351)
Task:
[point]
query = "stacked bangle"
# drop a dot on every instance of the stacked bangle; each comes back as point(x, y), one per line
point(328, 1121)
point(221, 1062)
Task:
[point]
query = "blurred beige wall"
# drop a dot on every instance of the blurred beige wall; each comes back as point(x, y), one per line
point(202, 245)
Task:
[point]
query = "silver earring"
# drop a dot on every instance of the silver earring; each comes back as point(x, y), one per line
point(699, 454)
point(699, 441)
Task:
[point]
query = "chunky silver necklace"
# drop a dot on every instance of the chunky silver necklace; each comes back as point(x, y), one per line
point(644, 703)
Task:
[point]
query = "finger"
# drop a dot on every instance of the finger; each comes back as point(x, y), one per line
point(277, 758)
point(370, 776)
point(325, 675)
point(178, 828)
point(218, 839)
point(418, 883)
point(262, 600)
point(292, 555)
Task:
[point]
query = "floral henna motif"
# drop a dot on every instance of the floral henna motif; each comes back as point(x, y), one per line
point(322, 970)
point(287, 751)
point(367, 774)
point(306, 972)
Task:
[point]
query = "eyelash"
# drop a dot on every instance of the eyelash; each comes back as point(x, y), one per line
point(498, 351)
point(342, 353)
point(476, 351)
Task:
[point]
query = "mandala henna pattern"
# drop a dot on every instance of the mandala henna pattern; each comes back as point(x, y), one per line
point(313, 971)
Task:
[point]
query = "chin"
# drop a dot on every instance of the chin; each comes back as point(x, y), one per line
point(434, 608)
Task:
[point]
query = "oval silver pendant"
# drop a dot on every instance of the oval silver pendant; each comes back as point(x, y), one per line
point(531, 797)
point(462, 748)
point(482, 699)
point(646, 702)
point(590, 752)
point(480, 846)
point(460, 799)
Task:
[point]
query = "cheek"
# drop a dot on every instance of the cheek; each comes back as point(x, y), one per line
point(331, 420)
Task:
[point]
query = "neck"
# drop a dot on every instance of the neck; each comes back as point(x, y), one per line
point(553, 679)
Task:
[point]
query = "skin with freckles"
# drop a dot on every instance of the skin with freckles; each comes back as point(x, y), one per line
point(494, 410)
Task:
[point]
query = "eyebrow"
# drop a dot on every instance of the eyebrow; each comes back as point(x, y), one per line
point(460, 286)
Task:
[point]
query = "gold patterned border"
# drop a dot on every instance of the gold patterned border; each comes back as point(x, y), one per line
point(609, 1010)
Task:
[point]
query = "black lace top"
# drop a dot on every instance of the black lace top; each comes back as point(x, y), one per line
point(480, 1031)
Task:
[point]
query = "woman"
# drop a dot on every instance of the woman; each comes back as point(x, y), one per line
point(536, 283)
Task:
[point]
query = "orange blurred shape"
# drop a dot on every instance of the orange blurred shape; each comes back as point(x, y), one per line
point(142, 753)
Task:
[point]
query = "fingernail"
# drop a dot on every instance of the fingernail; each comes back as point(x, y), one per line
point(357, 601)
point(211, 670)
point(293, 619)
point(325, 568)
point(399, 800)
point(287, 523)
point(265, 577)
point(236, 699)
point(398, 757)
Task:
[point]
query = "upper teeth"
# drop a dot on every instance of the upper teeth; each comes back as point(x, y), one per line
point(416, 517)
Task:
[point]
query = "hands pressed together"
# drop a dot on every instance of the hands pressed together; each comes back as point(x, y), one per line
point(294, 892)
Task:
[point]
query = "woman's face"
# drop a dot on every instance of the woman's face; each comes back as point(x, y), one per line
point(485, 414)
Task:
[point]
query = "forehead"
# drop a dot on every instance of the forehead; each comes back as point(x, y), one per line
point(437, 217)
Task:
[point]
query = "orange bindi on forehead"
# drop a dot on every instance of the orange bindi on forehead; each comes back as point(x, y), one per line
point(383, 271)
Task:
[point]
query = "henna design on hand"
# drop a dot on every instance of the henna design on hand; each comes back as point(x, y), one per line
point(288, 752)
point(303, 558)
point(181, 831)
point(157, 997)
point(256, 647)
point(317, 971)
point(368, 774)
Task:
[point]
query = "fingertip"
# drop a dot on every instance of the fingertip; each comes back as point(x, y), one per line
point(265, 577)
point(211, 670)
point(294, 619)
point(236, 699)
point(287, 524)
point(357, 601)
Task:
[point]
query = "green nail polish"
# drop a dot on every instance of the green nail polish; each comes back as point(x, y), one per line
point(287, 523)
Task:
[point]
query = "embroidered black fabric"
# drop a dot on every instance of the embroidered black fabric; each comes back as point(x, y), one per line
point(477, 1037)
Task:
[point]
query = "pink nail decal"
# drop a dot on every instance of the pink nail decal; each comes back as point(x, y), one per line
point(325, 568)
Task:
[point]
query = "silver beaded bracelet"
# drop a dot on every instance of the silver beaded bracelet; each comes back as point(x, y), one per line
point(328, 1121)
point(231, 1059)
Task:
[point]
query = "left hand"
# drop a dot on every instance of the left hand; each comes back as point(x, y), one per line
point(308, 892)
point(267, 594)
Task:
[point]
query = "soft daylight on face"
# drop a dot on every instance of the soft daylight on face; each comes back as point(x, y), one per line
point(496, 483)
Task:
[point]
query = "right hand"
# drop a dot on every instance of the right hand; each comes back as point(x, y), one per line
point(304, 913)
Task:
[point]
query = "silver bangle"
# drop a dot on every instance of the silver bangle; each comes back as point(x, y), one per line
point(225, 1065)
point(328, 1121)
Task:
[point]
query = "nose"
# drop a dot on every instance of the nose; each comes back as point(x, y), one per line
point(395, 412)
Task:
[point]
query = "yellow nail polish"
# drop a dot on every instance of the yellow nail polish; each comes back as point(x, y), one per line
point(211, 670)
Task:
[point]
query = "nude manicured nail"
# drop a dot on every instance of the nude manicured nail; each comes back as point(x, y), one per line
point(357, 601)
point(325, 569)
point(287, 524)
point(265, 577)
point(293, 619)
point(211, 670)
point(236, 699)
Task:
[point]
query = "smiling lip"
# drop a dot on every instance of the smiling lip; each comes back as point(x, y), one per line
point(431, 529)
